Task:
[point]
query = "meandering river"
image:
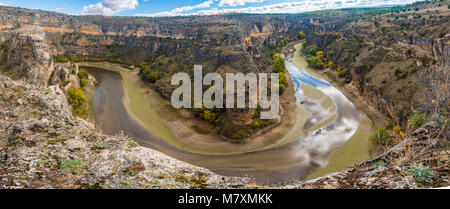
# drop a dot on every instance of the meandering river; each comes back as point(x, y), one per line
point(288, 162)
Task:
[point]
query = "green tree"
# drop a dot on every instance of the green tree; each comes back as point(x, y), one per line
point(315, 62)
point(311, 50)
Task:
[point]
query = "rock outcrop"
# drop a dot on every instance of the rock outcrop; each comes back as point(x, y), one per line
point(28, 52)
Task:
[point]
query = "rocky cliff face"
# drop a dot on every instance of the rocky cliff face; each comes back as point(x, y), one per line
point(398, 60)
point(27, 57)
point(27, 53)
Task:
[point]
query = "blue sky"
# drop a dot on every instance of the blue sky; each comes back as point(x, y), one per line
point(191, 7)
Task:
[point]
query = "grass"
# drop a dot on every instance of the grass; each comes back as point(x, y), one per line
point(100, 146)
point(378, 164)
point(73, 166)
point(133, 144)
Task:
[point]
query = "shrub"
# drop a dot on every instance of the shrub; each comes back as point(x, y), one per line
point(282, 88)
point(77, 101)
point(61, 59)
point(208, 116)
point(398, 130)
point(341, 72)
point(279, 64)
point(419, 172)
point(133, 144)
point(240, 134)
point(311, 50)
point(315, 62)
point(319, 54)
point(417, 120)
point(301, 35)
point(149, 75)
point(83, 75)
point(381, 137)
point(330, 64)
point(83, 82)
point(378, 164)
point(256, 124)
point(283, 79)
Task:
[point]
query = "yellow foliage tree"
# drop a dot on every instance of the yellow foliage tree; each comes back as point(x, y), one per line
point(301, 35)
point(330, 64)
point(319, 54)
point(78, 102)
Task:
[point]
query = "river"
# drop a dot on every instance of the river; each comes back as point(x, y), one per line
point(289, 162)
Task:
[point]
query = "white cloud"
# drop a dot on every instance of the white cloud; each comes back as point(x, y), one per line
point(109, 7)
point(233, 3)
point(5, 4)
point(181, 10)
point(291, 7)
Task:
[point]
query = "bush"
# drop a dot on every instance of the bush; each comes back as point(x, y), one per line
point(283, 78)
point(417, 120)
point(282, 88)
point(78, 102)
point(133, 144)
point(311, 50)
point(301, 35)
point(279, 64)
point(208, 116)
point(83, 82)
point(61, 59)
point(83, 75)
point(419, 172)
point(330, 64)
point(398, 130)
point(380, 137)
point(280, 68)
point(378, 164)
point(149, 75)
point(256, 124)
point(315, 62)
point(342, 72)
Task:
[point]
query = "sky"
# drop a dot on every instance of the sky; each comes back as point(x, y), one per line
point(191, 7)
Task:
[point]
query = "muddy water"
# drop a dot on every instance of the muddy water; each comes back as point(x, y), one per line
point(292, 161)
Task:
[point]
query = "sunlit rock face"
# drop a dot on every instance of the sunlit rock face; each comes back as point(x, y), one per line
point(28, 54)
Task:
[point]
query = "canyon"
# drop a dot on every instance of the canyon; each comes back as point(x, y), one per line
point(416, 48)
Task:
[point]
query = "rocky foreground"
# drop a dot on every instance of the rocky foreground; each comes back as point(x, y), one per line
point(43, 146)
